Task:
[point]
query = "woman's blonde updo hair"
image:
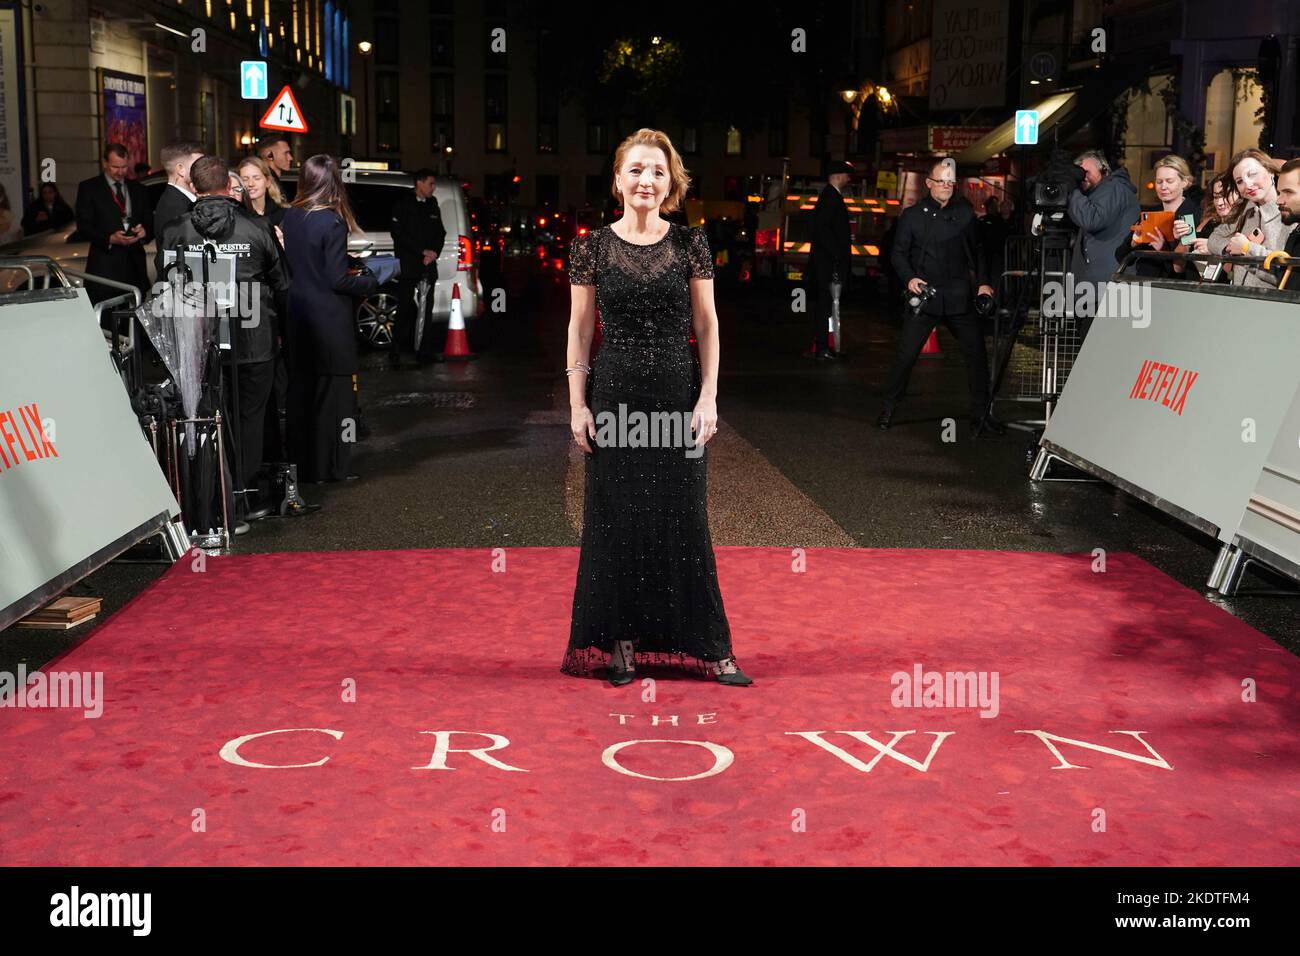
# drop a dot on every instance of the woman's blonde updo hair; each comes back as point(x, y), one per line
point(1178, 165)
point(681, 180)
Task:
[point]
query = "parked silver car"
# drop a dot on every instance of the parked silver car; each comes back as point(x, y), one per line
point(373, 195)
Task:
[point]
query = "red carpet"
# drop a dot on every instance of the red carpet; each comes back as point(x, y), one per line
point(435, 641)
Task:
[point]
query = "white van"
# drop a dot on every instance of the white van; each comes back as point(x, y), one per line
point(373, 195)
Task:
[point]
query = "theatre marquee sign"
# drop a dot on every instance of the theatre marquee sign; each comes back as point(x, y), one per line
point(968, 54)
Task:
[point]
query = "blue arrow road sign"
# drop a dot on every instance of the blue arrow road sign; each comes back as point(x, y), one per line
point(252, 79)
point(1026, 127)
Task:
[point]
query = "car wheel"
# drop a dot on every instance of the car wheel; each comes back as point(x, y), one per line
point(376, 317)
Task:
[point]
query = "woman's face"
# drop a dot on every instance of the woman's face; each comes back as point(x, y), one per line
point(254, 182)
point(48, 192)
point(236, 187)
point(1254, 181)
point(1169, 186)
point(644, 180)
point(1222, 202)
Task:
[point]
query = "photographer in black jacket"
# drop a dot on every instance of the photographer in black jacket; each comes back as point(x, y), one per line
point(218, 219)
point(939, 257)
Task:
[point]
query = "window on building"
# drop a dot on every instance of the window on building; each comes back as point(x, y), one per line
point(496, 51)
point(387, 113)
point(1149, 133)
point(441, 42)
point(548, 191)
point(691, 140)
point(347, 55)
point(735, 145)
point(1231, 102)
point(548, 119)
point(494, 112)
point(329, 40)
point(208, 126)
point(597, 138)
point(496, 187)
point(816, 140)
point(388, 33)
point(777, 138)
point(442, 115)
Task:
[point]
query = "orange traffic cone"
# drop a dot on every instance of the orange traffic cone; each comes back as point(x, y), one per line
point(931, 346)
point(457, 347)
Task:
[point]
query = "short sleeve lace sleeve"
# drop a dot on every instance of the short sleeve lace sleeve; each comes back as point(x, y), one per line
point(699, 253)
point(582, 260)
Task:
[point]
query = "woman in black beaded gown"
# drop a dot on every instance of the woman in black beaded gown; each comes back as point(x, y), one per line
point(647, 589)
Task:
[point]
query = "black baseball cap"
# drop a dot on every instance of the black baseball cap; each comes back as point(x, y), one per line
point(840, 166)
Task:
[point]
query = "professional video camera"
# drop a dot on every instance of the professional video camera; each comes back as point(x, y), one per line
point(1050, 190)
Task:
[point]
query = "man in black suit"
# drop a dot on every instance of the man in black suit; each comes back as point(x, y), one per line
point(830, 260)
point(114, 214)
point(178, 195)
point(939, 257)
point(418, 235)
point(275, 150)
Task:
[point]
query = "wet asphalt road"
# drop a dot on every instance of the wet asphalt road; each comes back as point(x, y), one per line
point(478, 454)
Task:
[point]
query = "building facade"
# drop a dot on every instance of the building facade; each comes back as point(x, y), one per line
point(81, 74)
point(481, 89)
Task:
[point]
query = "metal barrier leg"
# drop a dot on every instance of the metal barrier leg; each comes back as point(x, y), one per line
point(1039, 470)
point(1225, 576)
point(176, 541)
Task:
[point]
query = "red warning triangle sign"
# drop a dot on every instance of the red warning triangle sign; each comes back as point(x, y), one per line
point(284, 114)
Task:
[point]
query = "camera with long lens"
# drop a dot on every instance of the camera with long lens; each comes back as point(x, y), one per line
point(1050, 190)
point(916, 300)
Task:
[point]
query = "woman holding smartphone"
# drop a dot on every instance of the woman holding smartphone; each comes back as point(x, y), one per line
point(1215, 210)
point(1172, 177)
point(1255, 224)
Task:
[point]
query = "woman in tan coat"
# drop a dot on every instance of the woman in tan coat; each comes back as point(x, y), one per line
point(1255, 226)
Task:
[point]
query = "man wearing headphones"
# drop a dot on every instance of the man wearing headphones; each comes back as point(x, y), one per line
point(1104, 206)
point(938, 256)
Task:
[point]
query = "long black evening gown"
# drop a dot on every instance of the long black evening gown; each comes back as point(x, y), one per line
point(646, 572)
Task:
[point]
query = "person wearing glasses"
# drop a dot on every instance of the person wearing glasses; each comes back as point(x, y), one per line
point(939, 257)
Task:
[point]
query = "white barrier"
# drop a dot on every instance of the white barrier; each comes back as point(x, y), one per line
point(78, 483)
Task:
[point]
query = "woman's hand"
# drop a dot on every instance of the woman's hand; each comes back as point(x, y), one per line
point(1201, 246)
point(1239, 243)
point(1181, 228)
point(1158, 241)
point(583, 426)
point(704, 421)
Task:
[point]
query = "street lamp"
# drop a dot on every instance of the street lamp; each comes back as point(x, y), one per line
point(364, 48)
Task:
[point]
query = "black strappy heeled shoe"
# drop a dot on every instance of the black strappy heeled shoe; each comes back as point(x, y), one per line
point(618, 676)
point(736, 678)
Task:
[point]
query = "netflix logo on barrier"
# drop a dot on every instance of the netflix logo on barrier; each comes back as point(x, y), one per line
point(1166, 384)
point(23, 439)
